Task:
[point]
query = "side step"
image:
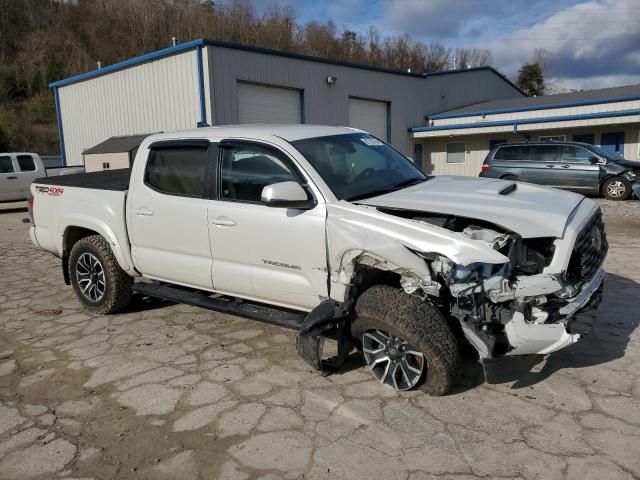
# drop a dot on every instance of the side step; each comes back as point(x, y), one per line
point(255, 311)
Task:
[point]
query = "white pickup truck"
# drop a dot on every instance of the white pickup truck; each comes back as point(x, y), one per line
point(19, 169)
point(332, 232)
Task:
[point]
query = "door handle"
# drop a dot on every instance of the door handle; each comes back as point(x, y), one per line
point(565, 166)
point(223, 221)
point(12, 178)
point(550, 165)
point(144, 212)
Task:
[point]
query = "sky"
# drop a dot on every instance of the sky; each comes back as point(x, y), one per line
point(594, 44)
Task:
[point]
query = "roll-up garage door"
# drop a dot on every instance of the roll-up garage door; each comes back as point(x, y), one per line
point(369, 115)
point(263, 104)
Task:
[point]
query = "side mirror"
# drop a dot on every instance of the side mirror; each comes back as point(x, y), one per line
point(287, 194)
point(594, 160)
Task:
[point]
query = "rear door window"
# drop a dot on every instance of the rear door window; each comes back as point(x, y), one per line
point(26, 163)
point(544, 153)
point(515, 152)
point(6, 166)
point(180, 170)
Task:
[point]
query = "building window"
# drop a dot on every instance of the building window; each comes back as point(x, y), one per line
point(553, 138)
point(456, 152)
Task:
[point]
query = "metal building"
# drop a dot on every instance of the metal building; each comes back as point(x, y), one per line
point(220, 83)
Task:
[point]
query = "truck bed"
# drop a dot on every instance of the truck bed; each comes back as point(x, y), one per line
point(116, 180)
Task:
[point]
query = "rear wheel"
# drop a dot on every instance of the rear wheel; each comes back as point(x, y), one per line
point(406, 342)
point(616, 188)
point(98, 281)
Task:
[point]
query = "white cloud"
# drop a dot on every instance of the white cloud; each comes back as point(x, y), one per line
point(594, 44)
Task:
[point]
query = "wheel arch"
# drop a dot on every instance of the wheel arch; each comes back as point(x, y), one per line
point(77, 231)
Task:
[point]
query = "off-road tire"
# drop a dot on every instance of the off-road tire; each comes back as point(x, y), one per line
point(417, 322)
point(118, 291)
point(623, 181)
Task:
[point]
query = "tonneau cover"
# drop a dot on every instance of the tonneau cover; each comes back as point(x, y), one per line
point(105, 180)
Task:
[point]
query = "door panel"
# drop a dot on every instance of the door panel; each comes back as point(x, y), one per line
point(579, 173)
point(266, 104)
point(613, 142)
point(27, 173)
point(275, 255)
point(543, 166)
point(370, 116)
point(9, 187)
point(168, 217)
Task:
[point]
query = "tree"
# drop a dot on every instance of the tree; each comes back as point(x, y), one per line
point(531, 79)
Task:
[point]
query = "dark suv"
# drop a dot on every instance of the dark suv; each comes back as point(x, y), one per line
point(580, 167)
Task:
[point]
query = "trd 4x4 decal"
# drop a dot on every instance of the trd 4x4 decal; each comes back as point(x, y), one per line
point(51, 191)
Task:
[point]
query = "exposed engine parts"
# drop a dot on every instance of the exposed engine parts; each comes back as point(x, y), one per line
point(516, 307)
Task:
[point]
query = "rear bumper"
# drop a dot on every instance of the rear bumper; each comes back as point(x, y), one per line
point(32, 236)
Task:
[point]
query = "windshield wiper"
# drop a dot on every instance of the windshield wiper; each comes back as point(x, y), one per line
point(382, 191)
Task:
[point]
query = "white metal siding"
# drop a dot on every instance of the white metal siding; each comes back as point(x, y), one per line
point(263, 104)
point(369, 115)
point(161, 95)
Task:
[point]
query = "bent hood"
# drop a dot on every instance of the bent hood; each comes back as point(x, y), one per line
point(528, 210)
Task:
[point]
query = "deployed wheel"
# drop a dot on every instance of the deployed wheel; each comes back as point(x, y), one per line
point(616, 188)
point(406, 342)
point(97, 279)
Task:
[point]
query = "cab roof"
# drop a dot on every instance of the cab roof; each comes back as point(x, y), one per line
point(289, 133)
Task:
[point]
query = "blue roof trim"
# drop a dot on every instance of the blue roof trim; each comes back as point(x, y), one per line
point(217, 43)
point(579, 103)
point(525, 121)
point(203, 107)
point(56, 97)
point(165, 52)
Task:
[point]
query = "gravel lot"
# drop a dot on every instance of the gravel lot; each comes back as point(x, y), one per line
point(173, 392)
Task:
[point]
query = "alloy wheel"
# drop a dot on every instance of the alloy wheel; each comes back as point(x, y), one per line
point(394, 362)
point(91, 278)
point(616, 189)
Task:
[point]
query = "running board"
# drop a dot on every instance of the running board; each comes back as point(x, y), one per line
point(223, 304)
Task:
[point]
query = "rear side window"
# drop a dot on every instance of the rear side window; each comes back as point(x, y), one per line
point(544, 153)
point(6, 166)
point(26, 163)
point(178, 170)
point(516, 152)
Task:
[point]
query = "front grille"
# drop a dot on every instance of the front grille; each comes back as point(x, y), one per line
point(589, 250)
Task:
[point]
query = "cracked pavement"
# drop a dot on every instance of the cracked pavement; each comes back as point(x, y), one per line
point(169, 391)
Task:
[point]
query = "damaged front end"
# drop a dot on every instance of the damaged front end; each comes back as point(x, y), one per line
point(543, 299)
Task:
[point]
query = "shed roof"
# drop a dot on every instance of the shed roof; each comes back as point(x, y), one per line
point(121, 144)
point(560, 100)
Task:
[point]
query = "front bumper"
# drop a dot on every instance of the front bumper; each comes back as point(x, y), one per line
point(578, 314)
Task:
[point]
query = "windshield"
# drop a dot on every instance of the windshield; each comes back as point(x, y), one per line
point(358, 165)
point(606, 154)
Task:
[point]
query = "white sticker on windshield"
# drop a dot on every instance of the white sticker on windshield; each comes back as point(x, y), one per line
point(372, 142)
